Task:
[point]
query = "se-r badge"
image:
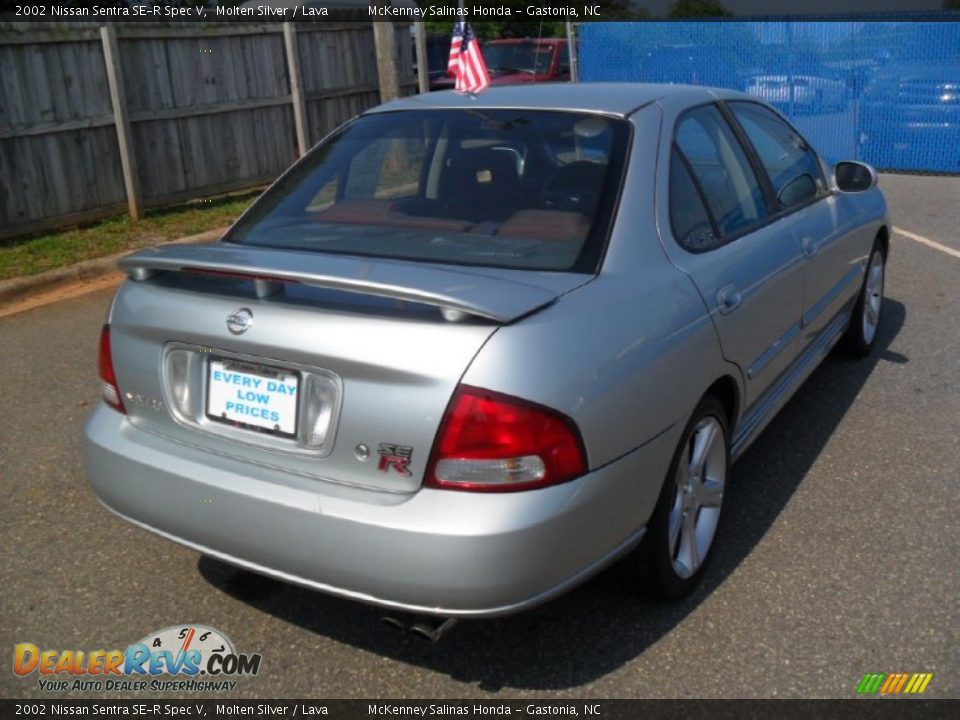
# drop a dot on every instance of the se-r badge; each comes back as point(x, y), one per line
point(396, 457)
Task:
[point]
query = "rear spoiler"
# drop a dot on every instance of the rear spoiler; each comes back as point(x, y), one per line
point(455, 292)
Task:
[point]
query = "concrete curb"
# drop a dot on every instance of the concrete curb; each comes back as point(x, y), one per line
point(16, 289)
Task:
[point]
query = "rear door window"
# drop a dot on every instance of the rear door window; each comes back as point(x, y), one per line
point(729, 184)
point(789, 162)
point(692, 226)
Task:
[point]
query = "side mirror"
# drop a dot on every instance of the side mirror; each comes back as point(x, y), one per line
point(851, 176)
point(797, 191)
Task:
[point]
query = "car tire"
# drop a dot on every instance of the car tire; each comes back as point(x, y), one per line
point(861, 335)
point(677, 547)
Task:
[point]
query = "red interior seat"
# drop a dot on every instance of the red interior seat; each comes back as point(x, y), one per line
point(554, 225)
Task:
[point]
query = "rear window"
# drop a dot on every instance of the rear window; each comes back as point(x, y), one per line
point(500, 188)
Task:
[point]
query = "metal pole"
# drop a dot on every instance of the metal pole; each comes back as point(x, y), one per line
point(574, 57)
point(791, 96)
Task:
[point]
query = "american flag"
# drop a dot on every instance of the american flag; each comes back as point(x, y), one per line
point(466, 61)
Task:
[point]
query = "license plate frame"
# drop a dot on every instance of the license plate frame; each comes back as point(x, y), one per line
point(262, 372)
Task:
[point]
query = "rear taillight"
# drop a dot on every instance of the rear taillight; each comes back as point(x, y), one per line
point(489, 442)
point(108, 378)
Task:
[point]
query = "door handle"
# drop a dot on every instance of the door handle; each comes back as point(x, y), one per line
point(809, 246)
point(728, 298)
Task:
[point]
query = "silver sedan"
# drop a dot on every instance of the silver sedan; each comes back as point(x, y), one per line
point(469, 351)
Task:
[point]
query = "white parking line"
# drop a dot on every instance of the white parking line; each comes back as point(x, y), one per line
point(927, 241)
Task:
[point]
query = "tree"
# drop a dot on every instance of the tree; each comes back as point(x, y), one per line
point(622, 10)
point(698, 8)
point(490, 29)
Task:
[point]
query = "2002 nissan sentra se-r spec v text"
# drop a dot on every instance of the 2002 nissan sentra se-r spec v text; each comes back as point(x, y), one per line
point(469, 351)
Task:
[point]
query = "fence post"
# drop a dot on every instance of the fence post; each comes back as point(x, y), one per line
point(296, 87)
point(384, 41)
point(111, 56)
point(423, 64)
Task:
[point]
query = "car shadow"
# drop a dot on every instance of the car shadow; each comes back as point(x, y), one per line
point(598, 627)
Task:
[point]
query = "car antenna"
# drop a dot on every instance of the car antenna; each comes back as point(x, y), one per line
point(473, 95)
point(536, 55)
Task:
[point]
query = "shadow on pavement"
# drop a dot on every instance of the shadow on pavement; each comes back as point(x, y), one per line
point(597, 628)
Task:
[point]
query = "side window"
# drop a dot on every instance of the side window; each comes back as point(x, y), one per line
point(543, 58)
point(688, 217)
point(325, 197)
point(791, 165)
point(563, 67)
point(388, 168)
point(720, 165)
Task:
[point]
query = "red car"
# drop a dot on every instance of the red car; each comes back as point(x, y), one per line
point(516, 61)
point(521, 60)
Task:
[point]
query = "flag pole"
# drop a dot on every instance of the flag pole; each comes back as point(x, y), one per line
point(472, 95)
point(466, 63)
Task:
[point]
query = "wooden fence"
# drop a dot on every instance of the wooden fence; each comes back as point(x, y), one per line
point(94, 120)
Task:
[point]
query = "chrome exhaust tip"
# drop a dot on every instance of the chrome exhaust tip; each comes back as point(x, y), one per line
point(434, 633)
point(393, 624)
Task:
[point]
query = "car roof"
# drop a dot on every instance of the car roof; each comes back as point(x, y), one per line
point(619, 99)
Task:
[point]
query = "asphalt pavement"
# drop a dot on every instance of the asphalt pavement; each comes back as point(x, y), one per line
point(838, 555)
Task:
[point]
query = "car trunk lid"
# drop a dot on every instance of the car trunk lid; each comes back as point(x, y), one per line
point(369, 350)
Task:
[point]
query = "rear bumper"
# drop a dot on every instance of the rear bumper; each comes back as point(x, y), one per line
point(432, 551)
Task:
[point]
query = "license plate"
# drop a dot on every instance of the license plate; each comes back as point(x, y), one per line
point(255, 397)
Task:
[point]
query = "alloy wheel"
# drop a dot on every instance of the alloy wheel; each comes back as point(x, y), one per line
point(873, 297)
point(698, 494)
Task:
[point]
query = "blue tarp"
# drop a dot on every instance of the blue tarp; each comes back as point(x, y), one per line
point(885, 91)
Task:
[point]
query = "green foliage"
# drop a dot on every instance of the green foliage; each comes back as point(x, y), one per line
point(622, 10)
point(46, 251)
point(698, 9)
point(511, 27)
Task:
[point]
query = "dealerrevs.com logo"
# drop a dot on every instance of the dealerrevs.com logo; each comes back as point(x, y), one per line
point(184, 658)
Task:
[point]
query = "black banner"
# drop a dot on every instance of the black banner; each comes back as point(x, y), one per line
point(261, 11)
point(534, 709)
point(270, 11)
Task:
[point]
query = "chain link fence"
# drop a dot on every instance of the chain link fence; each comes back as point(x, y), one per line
point(882, 89)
